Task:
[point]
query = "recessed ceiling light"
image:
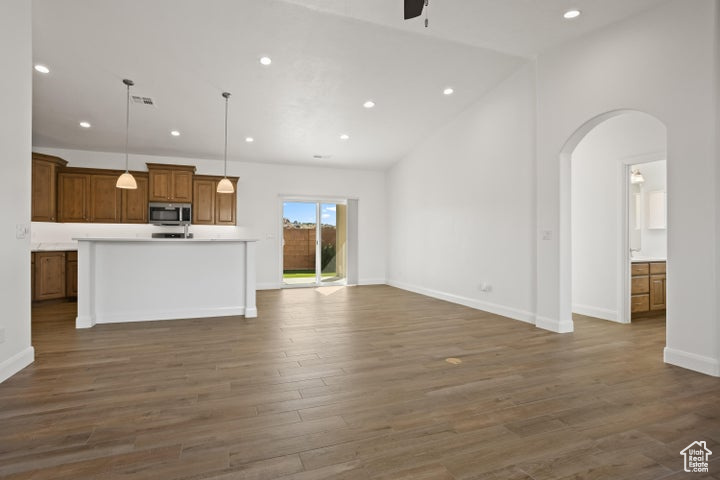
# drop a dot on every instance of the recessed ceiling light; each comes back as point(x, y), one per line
point(448, 91)
point(42, 68)
point(85, 124)
point(174, 133)
point(265, 61)
point(369, 104)
point(249, 139)
point(344, 136)
point(570, 14)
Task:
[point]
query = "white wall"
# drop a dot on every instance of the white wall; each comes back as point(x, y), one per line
point(258, 212)
point(661, 62)
point(15, 141)
point(461, 206)
point(597, 203)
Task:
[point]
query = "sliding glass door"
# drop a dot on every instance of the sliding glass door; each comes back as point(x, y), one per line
point(314, 243)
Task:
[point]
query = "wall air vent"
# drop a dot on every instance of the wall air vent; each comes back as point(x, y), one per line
point(144, 100)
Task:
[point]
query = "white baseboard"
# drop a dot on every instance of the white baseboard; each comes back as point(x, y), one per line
point(372, 281)
point(250, 312)
point(268, 286)
point(510, 312)
point(596, 312)
point(17, 362)
point(553, 325)
point(151, 316)
point(692, 361)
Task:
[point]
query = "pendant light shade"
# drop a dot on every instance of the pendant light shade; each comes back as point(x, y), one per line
point(225, 185)
point(636, 177)
point(126, 180)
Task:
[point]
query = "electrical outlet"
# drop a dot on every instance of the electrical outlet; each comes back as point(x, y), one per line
point(2, 335)
point(485, 287)
point(547, 234)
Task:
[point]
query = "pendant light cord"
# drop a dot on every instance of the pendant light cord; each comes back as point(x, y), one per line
point(127, 127)
point(226, 129)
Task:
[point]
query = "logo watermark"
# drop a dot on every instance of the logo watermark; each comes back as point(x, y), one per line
point(697, 457)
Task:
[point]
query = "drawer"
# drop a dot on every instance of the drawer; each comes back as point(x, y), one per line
point(71, 256)
point(640, 285)
point(657, 267)
point(640, 269)
point(640, 303)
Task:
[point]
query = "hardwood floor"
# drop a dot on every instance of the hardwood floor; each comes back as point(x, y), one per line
point(352, 383)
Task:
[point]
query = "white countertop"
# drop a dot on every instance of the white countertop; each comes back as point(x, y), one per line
point(53, 246)
point(648, 260)
point(154, 240)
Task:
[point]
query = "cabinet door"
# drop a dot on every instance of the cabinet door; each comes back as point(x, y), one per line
point(73, 191)
point(657, 292)
point(71, 275)
point(203, 202)
point(105, 199)
point(49, 275)
point(225, 207)
point(44, 198)
point(159, 185)
point(135, 202)
point(182, 186)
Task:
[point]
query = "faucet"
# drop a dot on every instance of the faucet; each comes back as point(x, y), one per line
point(633, 251)
point(186, 229)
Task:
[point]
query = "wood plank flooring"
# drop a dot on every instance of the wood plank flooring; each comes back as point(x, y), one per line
point(352, 383)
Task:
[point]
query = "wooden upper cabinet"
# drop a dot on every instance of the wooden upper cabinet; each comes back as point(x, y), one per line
point(159, 185)
point(135, 202)
point(210, 207)
point(182, 186)
point(226, 206)
point(170, 183)
point(44, 187)
point(105, 199)
point(73, 190)
point(204, 200)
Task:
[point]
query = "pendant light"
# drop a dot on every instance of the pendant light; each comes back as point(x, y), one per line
point(225, 185)
point(126, 180)
point(636, 177)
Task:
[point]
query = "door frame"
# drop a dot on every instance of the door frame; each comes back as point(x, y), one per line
point(624, 286)
point(318, 200)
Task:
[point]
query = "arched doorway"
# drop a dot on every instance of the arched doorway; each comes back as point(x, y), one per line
point(610, 252)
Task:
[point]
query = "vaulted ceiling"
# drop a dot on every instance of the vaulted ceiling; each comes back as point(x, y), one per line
point(328, 58)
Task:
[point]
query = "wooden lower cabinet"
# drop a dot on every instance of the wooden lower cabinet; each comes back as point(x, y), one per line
point(49, 275)
point(54, 275)
point(71, 274)
point(649, 288)
point(657, 292)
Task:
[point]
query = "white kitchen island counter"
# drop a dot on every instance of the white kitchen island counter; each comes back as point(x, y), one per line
point(142, 279)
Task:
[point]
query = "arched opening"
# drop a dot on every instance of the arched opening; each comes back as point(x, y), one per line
point(603, 215)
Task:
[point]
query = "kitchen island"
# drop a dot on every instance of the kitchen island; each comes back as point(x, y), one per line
point(143, 279)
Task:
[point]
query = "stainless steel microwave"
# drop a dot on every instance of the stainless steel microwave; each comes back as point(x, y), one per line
point(170, 213)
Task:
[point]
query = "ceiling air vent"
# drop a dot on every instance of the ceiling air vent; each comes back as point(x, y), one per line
point(144, 100)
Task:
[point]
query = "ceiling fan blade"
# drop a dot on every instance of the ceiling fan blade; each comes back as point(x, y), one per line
point(413, 8)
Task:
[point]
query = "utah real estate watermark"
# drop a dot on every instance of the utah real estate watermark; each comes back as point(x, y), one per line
point(696, 457)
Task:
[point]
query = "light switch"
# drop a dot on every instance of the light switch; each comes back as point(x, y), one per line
point(547, 234)
point(21, 230)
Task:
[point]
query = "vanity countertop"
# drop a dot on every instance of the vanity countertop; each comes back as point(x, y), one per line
point(648, 260)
